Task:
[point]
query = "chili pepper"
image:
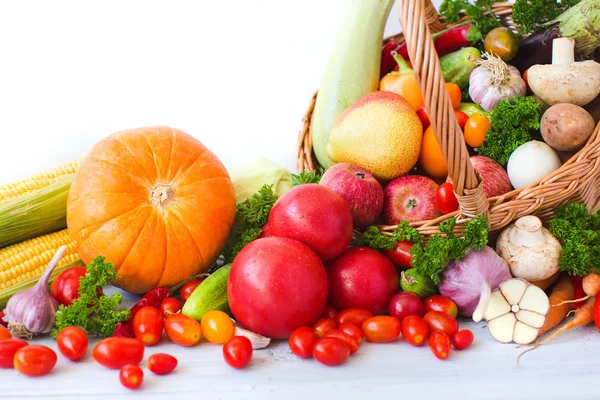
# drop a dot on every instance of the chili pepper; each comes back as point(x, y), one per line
point(4, 324)
point(151, 299)
point(387, 60)
point(578, 292)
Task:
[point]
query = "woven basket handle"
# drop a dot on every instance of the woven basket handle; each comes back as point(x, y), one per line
point(414, 15)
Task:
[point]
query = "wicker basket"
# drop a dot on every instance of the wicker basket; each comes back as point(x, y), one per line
point(578, 180)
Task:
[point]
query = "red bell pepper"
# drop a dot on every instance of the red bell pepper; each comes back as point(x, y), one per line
point(387, 60)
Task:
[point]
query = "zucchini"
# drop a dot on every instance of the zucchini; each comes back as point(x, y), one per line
point(353, 68)
point(210, 295)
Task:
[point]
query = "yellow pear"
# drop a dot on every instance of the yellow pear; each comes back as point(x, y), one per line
point(379, 132)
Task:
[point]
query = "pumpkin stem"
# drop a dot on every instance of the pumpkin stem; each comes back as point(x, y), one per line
point(162, 195)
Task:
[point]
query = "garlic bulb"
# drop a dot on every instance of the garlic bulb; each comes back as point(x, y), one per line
point(258, 341)
point(494, 80)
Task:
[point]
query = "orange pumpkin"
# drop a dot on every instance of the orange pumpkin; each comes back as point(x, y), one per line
point(155, 202)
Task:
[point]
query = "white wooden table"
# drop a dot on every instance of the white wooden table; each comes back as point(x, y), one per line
point(565, 368)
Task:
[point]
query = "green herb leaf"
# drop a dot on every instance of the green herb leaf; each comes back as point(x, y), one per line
point(479, 11)
point(375, 239)
point(531, 15)
point(307, 177)
point(97, 315)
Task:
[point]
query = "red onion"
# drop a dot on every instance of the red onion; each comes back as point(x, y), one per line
point(469, 282)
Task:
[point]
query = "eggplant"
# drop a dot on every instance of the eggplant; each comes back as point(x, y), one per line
point(536, 49)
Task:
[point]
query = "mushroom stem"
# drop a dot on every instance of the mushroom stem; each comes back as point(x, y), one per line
point(484, 300)
point(563, 51)
point(528, 232)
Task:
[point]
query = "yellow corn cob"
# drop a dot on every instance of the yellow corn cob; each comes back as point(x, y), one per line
point(13, 190)
point(30, 258)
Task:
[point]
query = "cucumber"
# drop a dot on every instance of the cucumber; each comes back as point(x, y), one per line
point(353, 68)
point(210, 295)
point(457, 66)
point(472, 108)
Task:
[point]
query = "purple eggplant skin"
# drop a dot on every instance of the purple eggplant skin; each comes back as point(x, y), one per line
point(536, 49)
point(594, 109)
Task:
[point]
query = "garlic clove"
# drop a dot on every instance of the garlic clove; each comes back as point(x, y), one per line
point(497, 306)
point(524, 334)
point(513, 290)
point(502, 328)
point(531, 318)
point(258, 341)
point(535, 299)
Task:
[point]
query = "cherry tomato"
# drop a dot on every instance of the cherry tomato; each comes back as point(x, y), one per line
point(400, 255)
point(440, 321)
point(114, 352)
point(441, 303)
point(148, 325)
point(237, 352)
point(8, 348)
point(404, 304)
point(462, 118)
point(445, 199)
point(596, 317)
point(439, 343)
point(503, 42)
point(455, 93)
point(170, 306)
point(352, 342)
point(4, 333)
point(475, 129)
point(354, 316)
point(352, 330)
point(217, 327)
point(72, 342)
point(323, 325)
point(415, 330)
point(65, 287)
point(35, 360)
point(462, 339)
point(381, 329)
point(131, 376)
point(302, 341)
point(422, 114)
point(331, 351)
point(161, 363)
point(188, 288)
point(329, 312)
point(183, 330)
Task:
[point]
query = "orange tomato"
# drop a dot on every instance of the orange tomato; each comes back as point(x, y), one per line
point(183, 330)
point(475, 129)
point(431, 157)
point(217, 327)
point(455, 94)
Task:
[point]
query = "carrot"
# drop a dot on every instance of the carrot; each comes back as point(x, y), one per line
point(590, 285)
point(563, 291)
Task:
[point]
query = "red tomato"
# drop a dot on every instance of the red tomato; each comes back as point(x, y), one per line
point(439, 343)
point(324, 325)
point(445, 199)
point(441, 303)
point(161, 363)
point(462, 118)
point(72, 342)
point(352, 342)
point(354, 316)
point(415, 330)
point(302, 341)
point(65, 287)
point(462, 339)
point(237, 352)
point(422, 114)
point(148, 325)
point(276, 285)
point(266, 232)
point(8, 348)
point(404, 304)
point(114, 352)
point(381, 329)
point(596, 314)
point(4, 333)
point(183, 330)
point(400, 255)
point(170, 306)
point(331, 351)
point(131, 376)
point(2, 322)
point(352, 330)
point(316, 216)
point(35, 360)
point(440, 321)
point(349, 287)
point(329, 312)
point(188, 288)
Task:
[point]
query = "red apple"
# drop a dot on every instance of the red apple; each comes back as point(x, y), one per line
point(316, 216)
point(359, 188)
point(362, 278)
point(495, 178)
point(409, 198)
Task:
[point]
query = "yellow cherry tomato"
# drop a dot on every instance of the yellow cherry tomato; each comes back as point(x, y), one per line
point(475, 129)
point(217, 327)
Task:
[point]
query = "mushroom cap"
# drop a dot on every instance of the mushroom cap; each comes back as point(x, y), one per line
point(575, 83)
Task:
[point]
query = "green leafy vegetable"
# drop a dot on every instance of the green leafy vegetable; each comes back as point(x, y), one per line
point(479, 11)
point(578, 231)
point(375, 239)
point(531, 15)
point(307, 177)
point(511, 122)
point(432, 259)
point(97, 315)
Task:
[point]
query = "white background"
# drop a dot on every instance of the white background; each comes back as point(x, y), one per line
point(238, 75)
